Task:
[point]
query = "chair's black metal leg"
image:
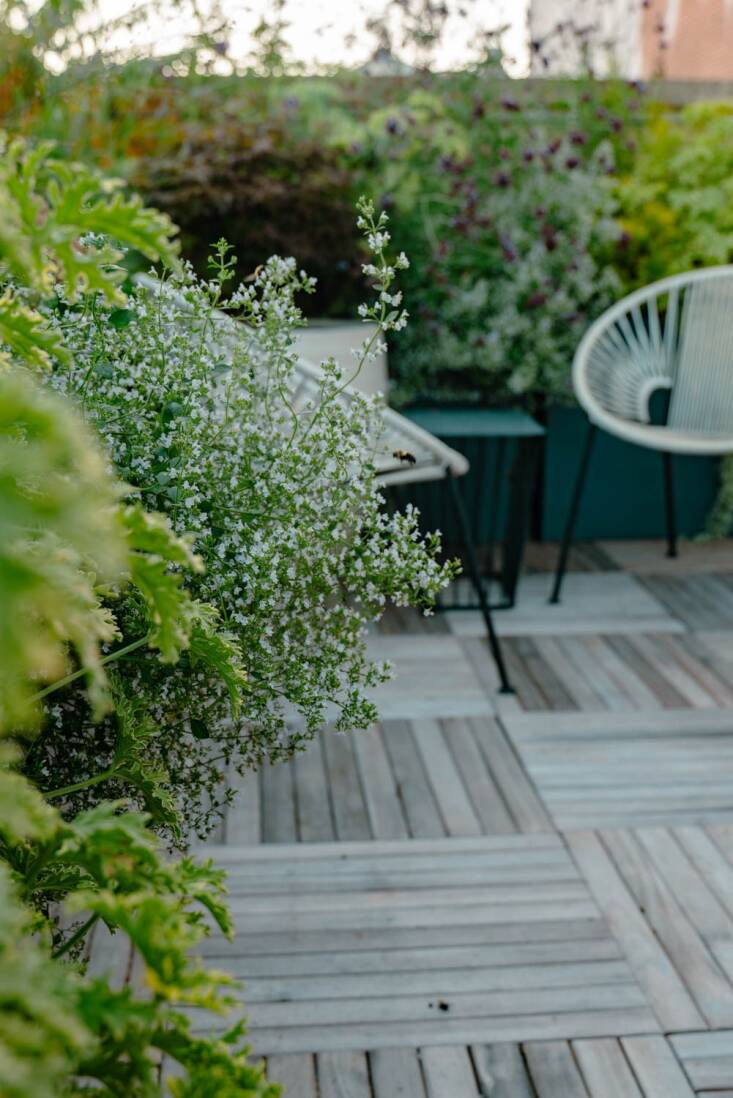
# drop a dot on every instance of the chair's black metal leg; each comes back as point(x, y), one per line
point(517, 519)
point(669, 506)
point(506, 687)
point(573, 512)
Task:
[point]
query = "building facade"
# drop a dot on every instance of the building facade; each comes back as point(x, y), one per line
point(638, 39)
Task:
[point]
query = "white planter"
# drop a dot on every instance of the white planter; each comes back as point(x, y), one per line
point(335, 339)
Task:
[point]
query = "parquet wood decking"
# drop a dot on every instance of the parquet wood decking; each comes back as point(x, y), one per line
point(485, 897)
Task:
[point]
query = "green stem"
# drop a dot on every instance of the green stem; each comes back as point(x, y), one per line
point(83, 670)
point(75, 937)
point(65, 790)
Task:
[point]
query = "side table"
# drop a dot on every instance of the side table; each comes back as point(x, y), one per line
point(472, 431)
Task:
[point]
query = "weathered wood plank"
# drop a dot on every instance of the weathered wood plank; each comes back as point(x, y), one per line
point(690, 889)
point(656, 1068)
point(418, 801)
point(635, 653)
point(554, 1071)
point(313, 799)
point(414, 960)
point(476, 652)
point(605, 1069)
point(695, 964)
point(521, 798)
point(448, 1070)
point(667, 994)
point(317, 851)
point(435, 915)
point(393, 898)
point(446, 981)
point(449, 791)
point(242, 822)
point(295, 1073)
point(536, 1027)
point(578, 686)
point(349, 811)
point(326, 941)
point(501, 1071)
point(343, 1075)
point(396, 1006)
point(486, 798)
point(707, 1059)
point(396, 1073)
point(278, 803)
point(383, 805)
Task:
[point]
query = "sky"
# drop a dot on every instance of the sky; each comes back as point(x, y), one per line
point(325, 31)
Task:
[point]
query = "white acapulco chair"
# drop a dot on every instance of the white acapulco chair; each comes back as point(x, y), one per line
point(404, 453)
point(675, 335)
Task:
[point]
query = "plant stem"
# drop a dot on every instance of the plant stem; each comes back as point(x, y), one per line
point(83, 670)
point(82, 930)
point(64, 790)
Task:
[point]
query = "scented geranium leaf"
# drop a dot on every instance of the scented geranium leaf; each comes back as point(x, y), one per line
point(219, 652)
point(214, 1068)
point(109, 844)
point(135, 762)
point(25, 814)
point(59, 533)
point(62, 219)
point(26, 335)
point(152, 533)
point(154, 549)
point(42, 1036)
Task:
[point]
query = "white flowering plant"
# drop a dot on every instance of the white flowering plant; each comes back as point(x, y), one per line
point(193, 391)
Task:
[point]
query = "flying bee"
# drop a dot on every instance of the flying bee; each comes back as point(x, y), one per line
point(404, 455)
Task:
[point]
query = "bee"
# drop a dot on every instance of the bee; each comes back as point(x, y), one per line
point(404, 455)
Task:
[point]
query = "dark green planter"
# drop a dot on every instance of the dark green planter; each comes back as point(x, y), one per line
point(623, 496)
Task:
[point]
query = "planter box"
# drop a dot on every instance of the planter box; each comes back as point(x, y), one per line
point(623, 495)
point(335, 339)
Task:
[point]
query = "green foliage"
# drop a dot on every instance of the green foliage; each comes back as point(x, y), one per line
point(503, 203)
point(286, 515)
point(677, 202)
point(42, 1037)
point(268, 190)
point(67, 544)
point(153, 549)
point(106, 865)
point(49, 209)
point(59, 534)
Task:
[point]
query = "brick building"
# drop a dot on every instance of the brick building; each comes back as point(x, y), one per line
point(677, 39)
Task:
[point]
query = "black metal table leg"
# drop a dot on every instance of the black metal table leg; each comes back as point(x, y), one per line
point(669, 506)
point(515, 533)
point(573, 513)
point(475, 576)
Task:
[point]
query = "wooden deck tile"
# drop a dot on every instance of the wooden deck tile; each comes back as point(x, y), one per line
point(707, 1059)
point(598, 602)
point(316, 994)
point(432, 678)
point(506, 897)
point(629, 769)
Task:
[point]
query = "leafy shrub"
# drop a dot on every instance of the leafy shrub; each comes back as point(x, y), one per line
point(64, 529)
point(299, 552)
point(677, 203)
point(267, 190)
point(504, 204)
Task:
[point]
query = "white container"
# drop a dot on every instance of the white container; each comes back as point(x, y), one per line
point(324, 339)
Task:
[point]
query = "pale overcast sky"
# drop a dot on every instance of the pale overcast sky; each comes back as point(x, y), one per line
point(319, 28)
